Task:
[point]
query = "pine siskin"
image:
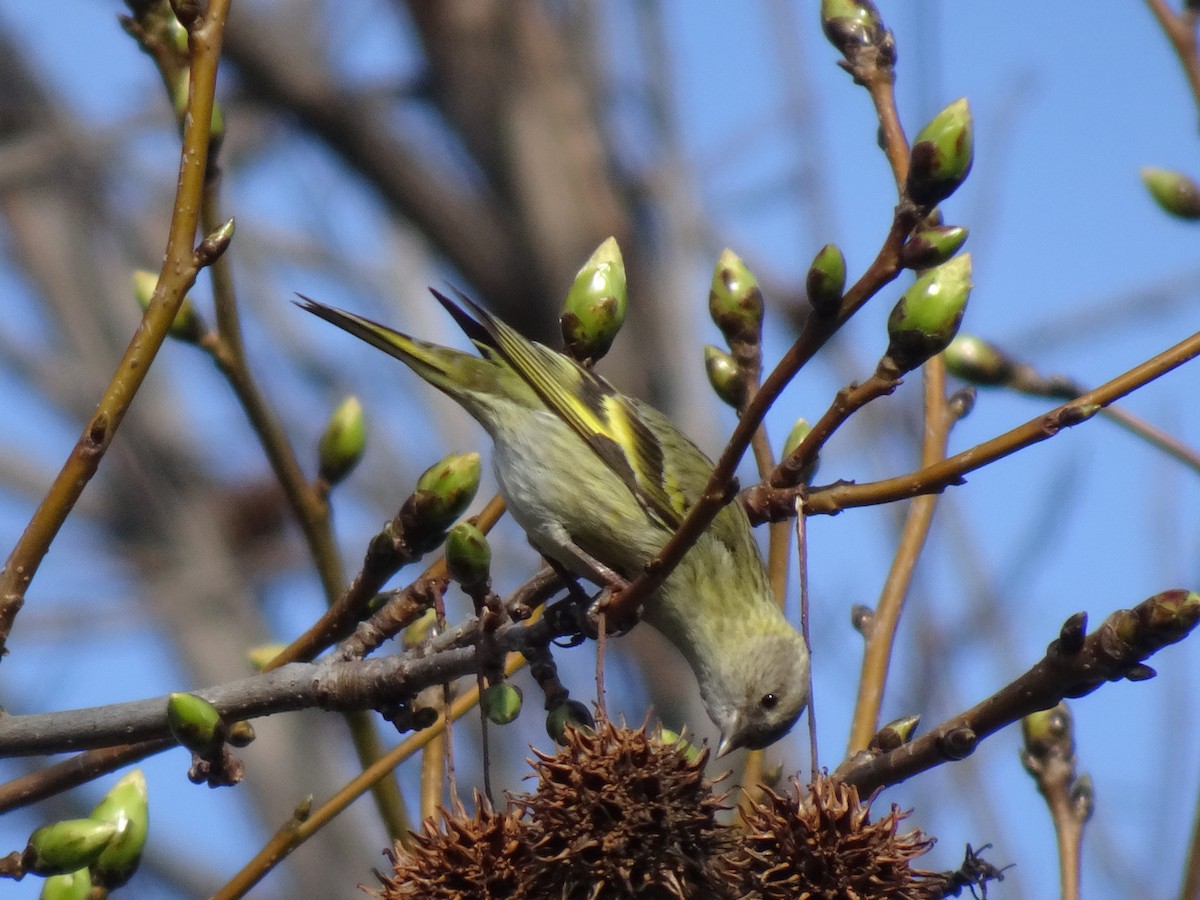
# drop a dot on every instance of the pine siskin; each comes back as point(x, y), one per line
point(597, 477)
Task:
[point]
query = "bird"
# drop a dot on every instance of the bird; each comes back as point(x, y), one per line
point(599, 481)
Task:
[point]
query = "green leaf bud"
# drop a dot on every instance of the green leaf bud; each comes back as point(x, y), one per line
point(501, 703)
point(735, 301)
point(241, 734)
point(195, 723)
point(445, 490)
point(925, 320)
point(595, 307)
point(852, 25)
point(569, 712)
point(1049, 732)
point(345, 439)
point(187, 325)
point(75, 885)
point(1175, 192)
point(669, 738)
point(177, 34)
point(468, 555)
point(798, 433)
point(66, 846)
point(894, 734)
point(978, 361)
point(931, 247)
point(941, 155)
point(421, 629)
point(826, 280)
point(124, 805)
point(725, 376)
point(1168, 616)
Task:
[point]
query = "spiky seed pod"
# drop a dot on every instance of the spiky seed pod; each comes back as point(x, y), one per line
point(820, 842)
point(619, 814)
point(483, 856)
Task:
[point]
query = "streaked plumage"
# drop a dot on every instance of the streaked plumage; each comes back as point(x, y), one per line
point(590, 472)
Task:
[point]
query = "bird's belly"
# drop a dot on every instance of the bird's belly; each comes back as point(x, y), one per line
point(559, 492)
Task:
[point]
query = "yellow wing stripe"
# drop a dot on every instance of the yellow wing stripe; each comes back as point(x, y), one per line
point(595, 412)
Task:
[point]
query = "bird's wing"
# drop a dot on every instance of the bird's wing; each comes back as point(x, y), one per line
point(605, 419)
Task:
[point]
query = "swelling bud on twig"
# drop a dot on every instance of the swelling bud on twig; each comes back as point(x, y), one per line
point(501, 703)
point(725, 376)
point(569, 712)
point(595, 307)
point(71, 886)
point(978, 361)
point(1049, 732)
point(826, 280)
point(343, 441)
point(186, 326)
point(445, 490)
point(735, 301)
point(195, 723)
point(925, 320)
point(857, 31)
point(1173, 191)
point(931, 247)
point(468, 555)
point(241, 734)
point(798, 433)
point(941, 155)
point(66, 846)
point(125, 805)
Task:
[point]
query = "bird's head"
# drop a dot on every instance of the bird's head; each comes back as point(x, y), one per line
point(757, 697)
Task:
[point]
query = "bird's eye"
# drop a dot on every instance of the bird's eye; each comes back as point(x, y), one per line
point(769, 701)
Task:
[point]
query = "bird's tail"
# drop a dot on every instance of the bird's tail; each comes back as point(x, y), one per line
point(465, 377)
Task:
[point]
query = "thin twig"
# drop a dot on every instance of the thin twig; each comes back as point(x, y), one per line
point(180, 267)
point(936, 478)
point(1181, 32)
point(882, 633)
point(1075, 664)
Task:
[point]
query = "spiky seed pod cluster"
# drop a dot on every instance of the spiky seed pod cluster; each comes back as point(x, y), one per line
point(619, 813)
point(482, 856)
point(820, 842)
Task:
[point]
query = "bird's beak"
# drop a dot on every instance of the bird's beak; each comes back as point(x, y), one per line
point(731, 739)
